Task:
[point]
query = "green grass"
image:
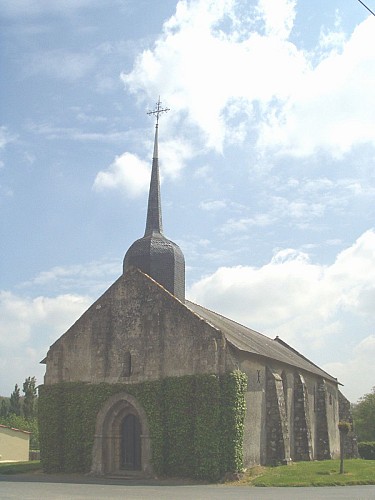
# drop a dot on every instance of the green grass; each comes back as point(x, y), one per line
point(19, 467)
point(322, 473)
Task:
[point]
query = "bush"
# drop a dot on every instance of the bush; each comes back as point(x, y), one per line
point(344, 427)
point(366, 450)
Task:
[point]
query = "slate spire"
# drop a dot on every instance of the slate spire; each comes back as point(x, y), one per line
point(154, 219)
point(154, 254)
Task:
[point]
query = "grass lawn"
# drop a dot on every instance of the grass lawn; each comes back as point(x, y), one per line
point(322, 473)
point(19, 467)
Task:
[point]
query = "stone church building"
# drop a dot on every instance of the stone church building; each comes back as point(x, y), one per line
point(143, 330)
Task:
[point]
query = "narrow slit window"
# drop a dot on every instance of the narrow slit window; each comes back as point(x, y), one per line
point(127, 364)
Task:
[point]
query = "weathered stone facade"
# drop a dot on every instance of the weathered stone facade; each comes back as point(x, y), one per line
point(303, 448)
point(277, 429)
point(135, 322)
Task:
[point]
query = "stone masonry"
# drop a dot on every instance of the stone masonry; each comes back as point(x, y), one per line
point(277, 432)
point(303, 449)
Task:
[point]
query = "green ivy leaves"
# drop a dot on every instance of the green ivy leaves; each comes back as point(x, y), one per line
point(196, 423)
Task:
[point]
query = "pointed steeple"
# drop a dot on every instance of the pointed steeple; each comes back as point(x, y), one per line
point(154, 222)
point(154, 254)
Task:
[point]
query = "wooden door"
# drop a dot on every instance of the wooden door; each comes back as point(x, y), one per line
point(131, 443)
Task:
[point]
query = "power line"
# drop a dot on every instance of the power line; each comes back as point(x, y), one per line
point(365, 6)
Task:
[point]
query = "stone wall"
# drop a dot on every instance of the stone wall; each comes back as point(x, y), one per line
point(136, 331)
point(254, 445)
point(287, 417)
point(14, 444)
point(322, 438)
point(277, 432)
point(303, 449)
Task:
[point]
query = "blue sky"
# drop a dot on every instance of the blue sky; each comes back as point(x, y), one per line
point(267, 163)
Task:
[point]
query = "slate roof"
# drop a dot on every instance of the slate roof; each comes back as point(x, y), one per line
point(248, 340)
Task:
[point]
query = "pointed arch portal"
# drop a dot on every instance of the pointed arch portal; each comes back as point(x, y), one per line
point(122, 441)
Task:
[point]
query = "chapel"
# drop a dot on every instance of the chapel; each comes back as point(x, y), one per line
point(145, 380)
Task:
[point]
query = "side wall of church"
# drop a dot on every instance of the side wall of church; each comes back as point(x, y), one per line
point(332, 405)
point(254, 445)
point(324, 417)
point(290, 414)
point(135, 332)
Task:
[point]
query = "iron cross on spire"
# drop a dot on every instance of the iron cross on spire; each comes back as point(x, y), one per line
point(158, 111)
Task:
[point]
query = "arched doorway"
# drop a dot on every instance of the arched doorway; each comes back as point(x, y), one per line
point(121, 442)
point(130, 458)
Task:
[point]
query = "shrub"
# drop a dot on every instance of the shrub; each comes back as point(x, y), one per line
point(344, 427)
point(366, 450)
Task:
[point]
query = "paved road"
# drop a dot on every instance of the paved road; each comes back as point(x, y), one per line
point(48, 487)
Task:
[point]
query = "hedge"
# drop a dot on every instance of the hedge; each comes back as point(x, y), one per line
point(196, 423)
point(367, 450)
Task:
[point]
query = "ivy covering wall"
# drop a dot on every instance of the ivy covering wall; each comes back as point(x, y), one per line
point(196, 423)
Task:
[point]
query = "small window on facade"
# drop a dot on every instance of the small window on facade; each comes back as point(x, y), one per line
point(330, 399)
point(127, 364)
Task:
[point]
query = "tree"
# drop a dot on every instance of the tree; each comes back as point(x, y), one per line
point(29, 401)
point(15, 402)
point(3, 409)
point(364, 417)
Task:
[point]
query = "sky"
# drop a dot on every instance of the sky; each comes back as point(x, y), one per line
point(267, 160)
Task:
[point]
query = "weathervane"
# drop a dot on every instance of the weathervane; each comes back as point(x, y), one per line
point(158, 111)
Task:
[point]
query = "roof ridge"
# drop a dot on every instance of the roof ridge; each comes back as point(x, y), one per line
point(231, 320)
point(285, 344)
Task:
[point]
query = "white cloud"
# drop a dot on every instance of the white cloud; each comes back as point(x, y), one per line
point(249, 68)
point(242, 224)
point(132, 174)
point(127, 172)
point(91, 278)
point(5, 137)
point(213, 205)
point(28, 326)
point(331, 108)
point(278, 17)
point(175, 153)
point(358, 372)
point(21, 316)
point(51, 132)
point(304, 203)
point(310, 305)
point(302, 102)
point(354, 275)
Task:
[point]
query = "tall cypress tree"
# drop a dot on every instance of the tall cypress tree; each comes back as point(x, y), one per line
point(3, 409)
point(29, 401)
point(15, 402)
